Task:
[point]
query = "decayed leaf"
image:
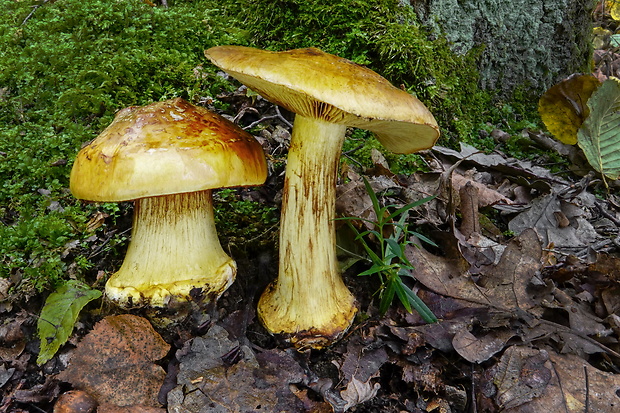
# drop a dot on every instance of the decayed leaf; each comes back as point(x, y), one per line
point(358, 392)
point(5, 374)
point(478, 349)
point(59, 315)
point(505, 284)
point(520, 169)
point(115, 362)
point(556, 222)
point(599, 136)
point(217, 374)
point(533, 381)
point(486, 196)
point(362, 362)
point(563, 107)
point(360, 365)
point(521, 375)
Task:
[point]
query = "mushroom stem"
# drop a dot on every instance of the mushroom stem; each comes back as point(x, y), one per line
point(309, 303)
point(174, 249)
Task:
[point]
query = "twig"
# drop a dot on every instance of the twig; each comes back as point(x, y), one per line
point(277, 115)
point(282, 118)
point(606, 214)
point(34, 8)
point(100, 247)
point(350, 151)
point(251, 125)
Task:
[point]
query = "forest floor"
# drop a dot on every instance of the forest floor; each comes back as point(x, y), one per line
point(525, 280)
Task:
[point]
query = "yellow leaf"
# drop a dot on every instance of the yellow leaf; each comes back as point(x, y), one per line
point(614, 9)
point(563, 107)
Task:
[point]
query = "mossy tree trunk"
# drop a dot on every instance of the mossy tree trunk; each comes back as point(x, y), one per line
point(529, 43)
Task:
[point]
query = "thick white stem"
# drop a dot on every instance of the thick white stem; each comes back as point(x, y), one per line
point(174, 249)
point(309, 301)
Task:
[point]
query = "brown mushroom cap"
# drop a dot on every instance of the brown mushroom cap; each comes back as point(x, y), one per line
point(166, 148)
point(319, 85)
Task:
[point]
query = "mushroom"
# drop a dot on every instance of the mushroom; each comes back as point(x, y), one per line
point(167, 157)
point(309, 304)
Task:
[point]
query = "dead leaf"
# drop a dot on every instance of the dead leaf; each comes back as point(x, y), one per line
point(521, 375)
point(96, 221)
point(358, 392)
point(217, 374)
point(542, 216)
point(533, 381)
point(5, 374)
point(521, 170)
point(508, 281)
point(115, 362)
point(478, 349)
point(486, 195)
point(362, 362)
point(111, 408)
point(75, 401)
point(563, 107)
point(505, 285)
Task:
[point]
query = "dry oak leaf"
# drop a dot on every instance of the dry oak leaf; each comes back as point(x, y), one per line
point(540, 381)
point(115, 362)
point(503, 286)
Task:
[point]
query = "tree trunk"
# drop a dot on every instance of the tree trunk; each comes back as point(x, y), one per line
point(530, 43)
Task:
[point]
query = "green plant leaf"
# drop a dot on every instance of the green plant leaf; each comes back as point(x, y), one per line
point(387, 295)
point(424, 238)
point(59, 314)
point(401, 292)
point(419, 305)
point(394, 249)
point(375, 269)
point(411, 205)
point(599, 135)
point(373, 197)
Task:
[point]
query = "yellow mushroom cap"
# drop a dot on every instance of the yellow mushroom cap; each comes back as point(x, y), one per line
point(166, 148)
point(319, 85)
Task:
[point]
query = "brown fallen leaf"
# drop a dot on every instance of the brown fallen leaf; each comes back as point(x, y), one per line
point(360, 365)
point(557, 222)
point(115, 362)
point(217, 374)
point(478, 349)
point(532, 381)
point(112, 408)
point(521, 375)
point(486, 196)
point(75, 401)
point(358, 392)
point(505, 284)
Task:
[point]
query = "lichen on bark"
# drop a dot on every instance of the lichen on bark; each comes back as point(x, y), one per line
point(525, 42)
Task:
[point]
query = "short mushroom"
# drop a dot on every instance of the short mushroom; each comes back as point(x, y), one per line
point(167, 157)
point(309, 304)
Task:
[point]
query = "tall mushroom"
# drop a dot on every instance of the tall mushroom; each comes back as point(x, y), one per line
point(309, 304)
point(168, 156)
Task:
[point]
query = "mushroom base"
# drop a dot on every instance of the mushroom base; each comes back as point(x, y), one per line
point(174, 254)
point(302, 329)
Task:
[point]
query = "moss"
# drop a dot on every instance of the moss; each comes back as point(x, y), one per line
point(66, 68)
point(384, 35)
point(244, 225)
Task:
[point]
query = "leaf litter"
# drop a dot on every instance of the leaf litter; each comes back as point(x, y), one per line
point(528, 322)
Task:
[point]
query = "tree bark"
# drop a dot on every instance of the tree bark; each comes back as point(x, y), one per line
point(529, 43)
